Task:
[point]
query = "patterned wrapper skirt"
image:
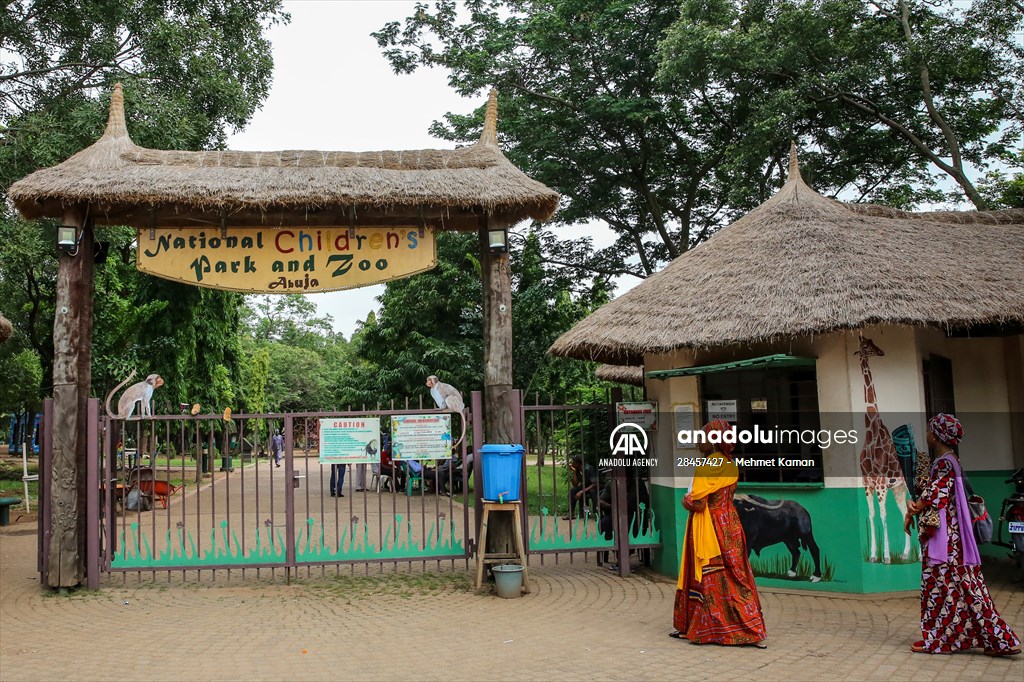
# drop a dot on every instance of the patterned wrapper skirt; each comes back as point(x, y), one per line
point(957, 612)
point(720, 606)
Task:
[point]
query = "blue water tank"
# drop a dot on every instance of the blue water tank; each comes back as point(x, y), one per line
point(502, 471)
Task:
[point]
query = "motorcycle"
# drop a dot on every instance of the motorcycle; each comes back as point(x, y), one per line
point(1011, 519)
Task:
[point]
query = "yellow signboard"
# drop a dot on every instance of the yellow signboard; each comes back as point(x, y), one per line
point(285, 260)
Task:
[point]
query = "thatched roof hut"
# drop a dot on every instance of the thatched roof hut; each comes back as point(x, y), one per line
point(632, 375)
point(802, 264)
point(125, 184)
point(5, 329)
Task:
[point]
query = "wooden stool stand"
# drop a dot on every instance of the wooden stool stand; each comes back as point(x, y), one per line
point(483, 557)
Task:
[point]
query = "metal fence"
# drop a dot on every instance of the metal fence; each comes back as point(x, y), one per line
point(576, 508)
point(201, 497)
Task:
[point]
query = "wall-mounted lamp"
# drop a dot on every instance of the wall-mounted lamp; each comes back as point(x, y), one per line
point(67, 238)
point(497, 241)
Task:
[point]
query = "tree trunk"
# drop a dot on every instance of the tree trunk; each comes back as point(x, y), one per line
point(498, 400)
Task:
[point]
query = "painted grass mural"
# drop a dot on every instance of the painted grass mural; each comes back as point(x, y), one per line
point(311, 546)
point(137, 551)
point(779, 566)
point(545, 534)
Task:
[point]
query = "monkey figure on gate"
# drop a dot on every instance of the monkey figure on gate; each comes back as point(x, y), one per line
point(141, 392)
point(448, 399)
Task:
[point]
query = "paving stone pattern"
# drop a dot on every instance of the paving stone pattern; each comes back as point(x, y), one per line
point(580, 623)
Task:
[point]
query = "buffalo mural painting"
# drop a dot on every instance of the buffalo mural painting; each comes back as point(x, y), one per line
point(770, 522)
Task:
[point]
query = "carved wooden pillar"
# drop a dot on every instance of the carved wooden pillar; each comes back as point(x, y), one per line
point(498, 400)
point(72, 376)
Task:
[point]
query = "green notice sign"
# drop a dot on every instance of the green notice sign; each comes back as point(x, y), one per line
point(421, 436)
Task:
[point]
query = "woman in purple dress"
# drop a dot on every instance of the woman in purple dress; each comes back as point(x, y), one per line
point(957, 612)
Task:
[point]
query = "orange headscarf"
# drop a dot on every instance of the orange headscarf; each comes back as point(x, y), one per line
point(725, 427)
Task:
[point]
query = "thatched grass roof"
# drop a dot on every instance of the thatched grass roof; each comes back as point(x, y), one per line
point(803, 264)
point(5, 329)
point(127, 184)
point(632, 375)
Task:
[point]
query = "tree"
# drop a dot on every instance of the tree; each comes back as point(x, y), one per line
point(581, 110)
point(290, 318)
point(20, 376)
point(432, 323)
point(931, 86)
point(548, 301)
point(667, 144)
point(192, 70)
point(428, 324)
point(295, 381)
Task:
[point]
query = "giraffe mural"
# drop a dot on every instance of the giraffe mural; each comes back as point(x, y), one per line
point(879, 466)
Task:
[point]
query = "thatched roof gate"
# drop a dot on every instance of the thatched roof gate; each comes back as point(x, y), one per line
point(116, 182)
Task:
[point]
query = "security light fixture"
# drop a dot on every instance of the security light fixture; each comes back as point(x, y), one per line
point(497, 240)
point(67, 238)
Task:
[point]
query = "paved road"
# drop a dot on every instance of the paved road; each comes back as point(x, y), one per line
point(580, 623)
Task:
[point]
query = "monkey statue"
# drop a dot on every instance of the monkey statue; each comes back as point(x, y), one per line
point(141, 392)
point(448, 399)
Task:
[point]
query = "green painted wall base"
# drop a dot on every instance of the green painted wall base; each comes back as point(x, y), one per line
point(839, 520)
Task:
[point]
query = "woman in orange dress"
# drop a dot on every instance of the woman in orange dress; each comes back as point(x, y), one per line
point(716, 599)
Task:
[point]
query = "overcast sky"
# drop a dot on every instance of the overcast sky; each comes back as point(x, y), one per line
point(333, 90)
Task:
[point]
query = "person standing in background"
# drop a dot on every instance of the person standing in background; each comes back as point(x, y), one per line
point(277, 447)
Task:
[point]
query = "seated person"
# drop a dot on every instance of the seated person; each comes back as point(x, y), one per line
point(448, 475)
point(604, 508)
point(636, 493)
point(413, 468)
point(456, 477)
point(432, 475)
point(583, 485)
point(429, 476)
point(387, 466)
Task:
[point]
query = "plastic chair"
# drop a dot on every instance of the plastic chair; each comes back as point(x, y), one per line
point(379, 481)
point(26, 477)
point(413, 480)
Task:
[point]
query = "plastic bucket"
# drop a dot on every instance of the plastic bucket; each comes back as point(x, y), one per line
point(502, 471)
point(508, 580)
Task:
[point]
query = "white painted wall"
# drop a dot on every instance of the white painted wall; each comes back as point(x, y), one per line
point(988, 375)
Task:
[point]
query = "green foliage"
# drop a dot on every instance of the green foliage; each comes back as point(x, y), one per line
point(28, 270)
point(666, 120)
point(432, 323)
point(296, 380)
point(192, 71)
point(886, 93)
point(1013, 192)
point(289, 318)
point(581, 110)
point(21, 374)
point(428, 324)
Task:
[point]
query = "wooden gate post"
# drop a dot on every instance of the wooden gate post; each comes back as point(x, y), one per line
point(497, 308)
point(499, 424)
point(72, 376)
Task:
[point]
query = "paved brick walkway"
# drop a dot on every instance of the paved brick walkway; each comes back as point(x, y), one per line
point(580, 623)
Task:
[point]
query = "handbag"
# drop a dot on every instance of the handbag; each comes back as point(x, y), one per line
point(981, 520)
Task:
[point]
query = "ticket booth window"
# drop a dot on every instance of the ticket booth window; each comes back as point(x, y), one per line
point(774, 399)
